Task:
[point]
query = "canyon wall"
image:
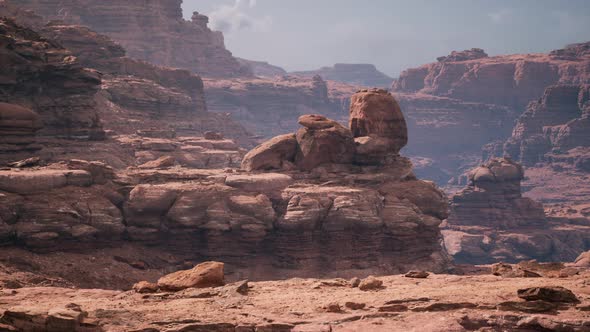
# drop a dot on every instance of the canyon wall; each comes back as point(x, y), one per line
point(508, 80)
point(470, 99)
point(152, 30)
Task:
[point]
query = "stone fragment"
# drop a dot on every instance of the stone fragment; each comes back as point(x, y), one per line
point(207, 274)
point(370, 283)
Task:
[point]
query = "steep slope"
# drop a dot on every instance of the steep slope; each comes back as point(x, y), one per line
point(153, 30)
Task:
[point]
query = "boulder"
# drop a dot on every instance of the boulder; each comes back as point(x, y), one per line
point(376, 113)
point(370, 283)
point(417, 274)
point(207, 274)
point(322, 141)
point(548, 294)
point(272, 154)
point(145, 287)
point(583, 260)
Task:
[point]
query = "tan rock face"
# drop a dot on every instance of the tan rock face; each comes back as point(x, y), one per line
point(276, 153)
point(153, 31)
point(63, 97)
point(208, 274)
point(322, 141)
point(375, 113)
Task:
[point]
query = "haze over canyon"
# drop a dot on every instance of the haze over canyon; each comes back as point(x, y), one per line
point(256, 166)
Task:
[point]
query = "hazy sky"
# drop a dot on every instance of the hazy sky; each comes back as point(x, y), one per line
point(392, 34)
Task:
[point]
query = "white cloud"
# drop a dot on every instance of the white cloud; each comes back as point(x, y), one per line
point(231, 18)
point(501, 16)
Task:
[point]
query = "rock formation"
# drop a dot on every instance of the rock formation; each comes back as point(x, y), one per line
point(508, 80)
point(40, 74)
point(551, 126)
point(153, 31)
point(490, 221)
point(468, 99)
point(365, 75)
point(321, 213)
point(493, 199)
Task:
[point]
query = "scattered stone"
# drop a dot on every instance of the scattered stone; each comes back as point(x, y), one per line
point(29, 162)
point(213, 135)
point(370, 283)
point(529, 306)
point(144, 287)
point(333, 307)
point(549, 294)
point(442, 306)
point(354, 282)
point(417, 274)
point(510, 271)
point(208, 274)
point(393, 308)
point(162, 162)
point(355, 305)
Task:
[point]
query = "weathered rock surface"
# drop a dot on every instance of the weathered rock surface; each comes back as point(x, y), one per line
point(438, 303)
point(365, 75)
point(509, 80)
point(468, 100)
point(153, 31)
point(323, 213)
point(490, 221)
point(40, 74)
point(208, 274)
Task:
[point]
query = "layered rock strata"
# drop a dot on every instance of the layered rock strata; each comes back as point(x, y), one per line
point(490, 221)
point(153, 31)
point(303, 206)
point(39, 74)
point(508, 80)
point(552, 126)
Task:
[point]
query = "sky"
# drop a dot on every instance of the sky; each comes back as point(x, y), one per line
point(392, 34)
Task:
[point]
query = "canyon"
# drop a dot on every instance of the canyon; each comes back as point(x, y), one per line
point(134, 147)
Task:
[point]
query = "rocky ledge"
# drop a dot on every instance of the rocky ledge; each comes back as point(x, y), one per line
point(327, 200)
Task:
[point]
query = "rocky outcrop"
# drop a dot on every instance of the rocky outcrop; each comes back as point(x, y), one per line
point(508, 80)
point(323, 213)
point(551, 126)
point(18, 126)
point(490, 221)
point(153, 31)
point(263, 68)
point(39, 74)
point(365, 75)
point(493, 199)
point(378, 125)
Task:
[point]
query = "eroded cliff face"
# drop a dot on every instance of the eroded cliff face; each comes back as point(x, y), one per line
point(491, 222)
point(510, 80)
point(470, 99)
point(153, 30)
point(41, 75)
point(328, 200)
point(149, 112)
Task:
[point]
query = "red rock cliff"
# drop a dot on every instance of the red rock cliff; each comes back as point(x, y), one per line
point(152, 30)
